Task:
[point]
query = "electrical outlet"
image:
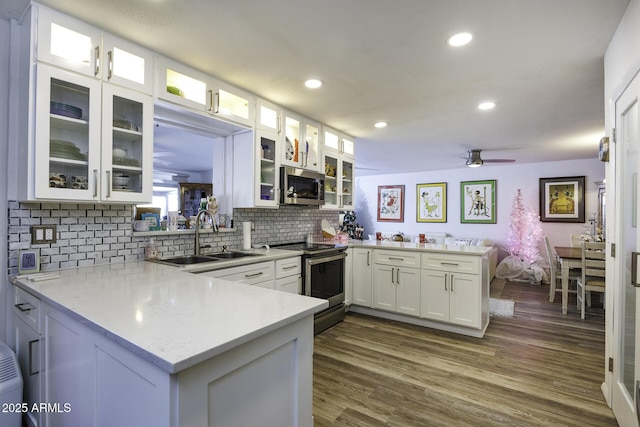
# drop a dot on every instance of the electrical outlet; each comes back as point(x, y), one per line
point(43, 234)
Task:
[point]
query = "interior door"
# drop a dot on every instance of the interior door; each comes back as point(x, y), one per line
point(627, 238)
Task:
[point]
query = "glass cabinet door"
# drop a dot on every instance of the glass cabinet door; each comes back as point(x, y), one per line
point(310, 153)
point(233, 104)
point(69, 43)
point(346, 184)
point(182, 85)
point(331, 142)
point(292, 137)
point(126, 145)
point(331, 183)
point(127, 64)
point(67, 136)
point(268, 173)
point(268, 116)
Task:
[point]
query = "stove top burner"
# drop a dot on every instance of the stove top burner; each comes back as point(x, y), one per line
point(309, 248)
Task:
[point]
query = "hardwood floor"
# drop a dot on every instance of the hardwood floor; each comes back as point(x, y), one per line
point(538, 368)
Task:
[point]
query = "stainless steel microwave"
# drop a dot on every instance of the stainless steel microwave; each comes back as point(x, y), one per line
point(301, 187)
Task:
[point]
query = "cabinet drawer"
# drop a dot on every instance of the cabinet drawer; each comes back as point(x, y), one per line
point(27, 308)
point(397, 258)
point(249, 274)
point(288, 267)
point(452, 263)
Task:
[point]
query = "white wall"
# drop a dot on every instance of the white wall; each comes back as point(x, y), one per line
point(5, 34)
point(508, 179)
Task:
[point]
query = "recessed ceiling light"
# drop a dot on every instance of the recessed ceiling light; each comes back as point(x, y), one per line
point(380, 124)
point(460, 39)
point(313, 83)
point(486, 105)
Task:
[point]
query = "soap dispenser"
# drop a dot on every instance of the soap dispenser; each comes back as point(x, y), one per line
point(151, 251)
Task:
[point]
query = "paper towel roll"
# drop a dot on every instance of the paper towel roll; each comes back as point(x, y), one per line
point(246, 235)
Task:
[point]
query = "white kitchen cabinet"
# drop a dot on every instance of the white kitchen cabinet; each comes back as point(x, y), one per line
point(233, 104)
point(339, 171)
point(348, 277)
point(301, 142)
point(289, 275)
point(256, 170)
point(74, 45)
point(261, 274)
point(27, 344)
point(396, 282)
point(92, 142)
point(362, 277)
point(268, 116)
point(452, 290)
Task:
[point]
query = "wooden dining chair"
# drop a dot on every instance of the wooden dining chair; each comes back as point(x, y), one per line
point(592, 278)
point(555, 272)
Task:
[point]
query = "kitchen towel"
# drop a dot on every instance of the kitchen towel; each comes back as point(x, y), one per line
point(246, 235)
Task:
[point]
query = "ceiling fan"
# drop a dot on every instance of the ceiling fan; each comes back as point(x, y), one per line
point(474, 160)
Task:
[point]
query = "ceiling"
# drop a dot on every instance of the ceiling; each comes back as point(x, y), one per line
point(540, 61)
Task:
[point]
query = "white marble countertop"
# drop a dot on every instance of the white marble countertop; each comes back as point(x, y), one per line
point(425, 247)
point(169, 317)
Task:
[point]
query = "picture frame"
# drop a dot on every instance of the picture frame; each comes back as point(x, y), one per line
point(562, 199)
point(190, 195)
point(29, 261)
point(478, 202)
point(431, 202)
point(390, 203)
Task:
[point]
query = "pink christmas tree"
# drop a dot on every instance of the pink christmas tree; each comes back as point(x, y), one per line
point(525, 231)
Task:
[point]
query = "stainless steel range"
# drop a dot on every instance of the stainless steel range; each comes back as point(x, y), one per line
point(323, 277)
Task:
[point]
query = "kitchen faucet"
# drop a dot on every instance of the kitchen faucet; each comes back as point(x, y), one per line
point(197, 242)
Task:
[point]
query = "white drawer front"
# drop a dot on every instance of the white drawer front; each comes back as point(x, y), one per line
point(397, 258)
point(288, 267)
point(453, 263)
point(249, 274)
point(27, 308)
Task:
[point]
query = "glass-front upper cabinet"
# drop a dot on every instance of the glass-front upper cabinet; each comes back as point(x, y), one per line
point(346, 184)
point(301, 146)
point(269, 177)
point(338, 154)
point(182, 85)
point(127, 145)
point(68, 43)
point(311, 154)
point(127, 64)
point(67, 136)
point(233, 104)
point(268, 116)
point(79, 47)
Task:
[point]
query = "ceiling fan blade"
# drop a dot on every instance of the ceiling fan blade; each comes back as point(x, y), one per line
point(498, 160)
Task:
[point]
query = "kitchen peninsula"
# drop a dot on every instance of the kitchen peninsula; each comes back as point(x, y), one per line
point(142, 343)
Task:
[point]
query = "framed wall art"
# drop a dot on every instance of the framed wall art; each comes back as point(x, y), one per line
point(431, 202)
point(478, 202)
point(391, 203)
point(562, 199)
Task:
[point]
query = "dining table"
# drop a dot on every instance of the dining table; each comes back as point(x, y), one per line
point(569, 257)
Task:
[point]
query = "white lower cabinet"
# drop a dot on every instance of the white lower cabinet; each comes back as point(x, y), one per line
point(261, 274)
point(362, 277)
point(396, 289)
point(449, 293)
point(289, 275)
point(348, 277)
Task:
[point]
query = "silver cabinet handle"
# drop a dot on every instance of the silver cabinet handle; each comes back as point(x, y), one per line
point(95, 183)
point(368, 256)
point(96, 67)
point(290, 267)
point(446, 275)
point(260, 273)
point(278, 124)
point(31, 371)
point(452, 282)
point(455, 264)
point(216, 103)
point(109, 65)
point(392, 271)
point(398, 275)
point(108, 183)
point(210, 101)
point(396, 259)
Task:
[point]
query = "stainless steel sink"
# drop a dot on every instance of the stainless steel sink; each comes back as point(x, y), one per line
point(188, 259)
point(229, 255)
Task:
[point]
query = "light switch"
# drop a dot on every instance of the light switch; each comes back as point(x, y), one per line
point(39, 234)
